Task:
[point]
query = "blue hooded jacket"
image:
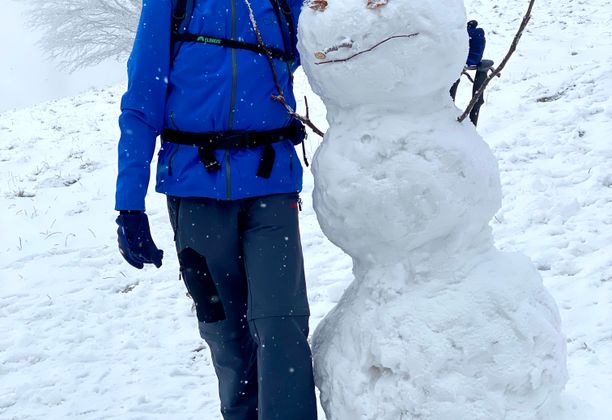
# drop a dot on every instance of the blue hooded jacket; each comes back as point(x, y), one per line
point(205, 88)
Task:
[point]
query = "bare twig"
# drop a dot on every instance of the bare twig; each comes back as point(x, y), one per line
point(280, 98)
point(496, 71)
point(66, 240)
point(339, 60)
point(304, 120)
point(308, 118)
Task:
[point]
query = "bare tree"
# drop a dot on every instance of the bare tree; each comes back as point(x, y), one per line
point(82, 33)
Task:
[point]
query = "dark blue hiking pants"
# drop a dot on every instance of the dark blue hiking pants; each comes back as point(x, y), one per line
point(242, 264)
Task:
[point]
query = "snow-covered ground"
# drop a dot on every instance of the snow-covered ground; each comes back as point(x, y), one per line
point(84, 335)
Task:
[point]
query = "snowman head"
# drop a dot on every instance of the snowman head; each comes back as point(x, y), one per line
point(417, 47)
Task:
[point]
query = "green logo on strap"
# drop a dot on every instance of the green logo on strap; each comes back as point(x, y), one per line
point(207, 40)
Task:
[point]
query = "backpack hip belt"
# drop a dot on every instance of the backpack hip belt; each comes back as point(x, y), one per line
point(208, 142)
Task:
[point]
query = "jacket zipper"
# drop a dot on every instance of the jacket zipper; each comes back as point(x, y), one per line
point(230, 123)
point(176, 147)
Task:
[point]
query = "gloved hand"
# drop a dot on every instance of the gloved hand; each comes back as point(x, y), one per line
point(135, 242)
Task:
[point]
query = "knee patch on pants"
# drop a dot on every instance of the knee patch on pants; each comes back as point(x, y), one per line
point(201, 286)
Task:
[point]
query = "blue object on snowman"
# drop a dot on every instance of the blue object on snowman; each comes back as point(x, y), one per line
point(477, 43)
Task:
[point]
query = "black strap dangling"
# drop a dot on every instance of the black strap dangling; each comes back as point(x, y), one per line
point(266, 162)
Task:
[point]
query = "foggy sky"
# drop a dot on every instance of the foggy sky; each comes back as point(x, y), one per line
point(27, 78)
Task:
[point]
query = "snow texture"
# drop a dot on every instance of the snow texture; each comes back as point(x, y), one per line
point(85, 336)
point(437, 324)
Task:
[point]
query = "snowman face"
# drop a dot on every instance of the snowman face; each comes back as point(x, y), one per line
point(405, 49)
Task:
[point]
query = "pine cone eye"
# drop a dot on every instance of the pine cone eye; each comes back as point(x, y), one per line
point(376, 4)
point(318, 5)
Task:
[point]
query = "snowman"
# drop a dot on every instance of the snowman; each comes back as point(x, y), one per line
point(437, 324)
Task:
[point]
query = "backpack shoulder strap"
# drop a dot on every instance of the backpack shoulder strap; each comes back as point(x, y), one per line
point(182, 11)
point(286, 9)
point(282, 7)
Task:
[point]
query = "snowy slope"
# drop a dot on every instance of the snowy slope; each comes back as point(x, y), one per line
point(83, 335)
point(549, 121)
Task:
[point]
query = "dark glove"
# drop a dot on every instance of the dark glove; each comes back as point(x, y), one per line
point(135, 242)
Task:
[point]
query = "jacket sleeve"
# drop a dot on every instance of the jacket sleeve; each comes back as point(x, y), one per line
point(143, 104)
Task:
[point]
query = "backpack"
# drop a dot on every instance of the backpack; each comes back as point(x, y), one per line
point(182, 11)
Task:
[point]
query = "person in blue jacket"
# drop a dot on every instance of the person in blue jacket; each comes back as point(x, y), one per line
point(228, 166)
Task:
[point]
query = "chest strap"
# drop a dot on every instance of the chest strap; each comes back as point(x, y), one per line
point(208, 142)
point(230, 43)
